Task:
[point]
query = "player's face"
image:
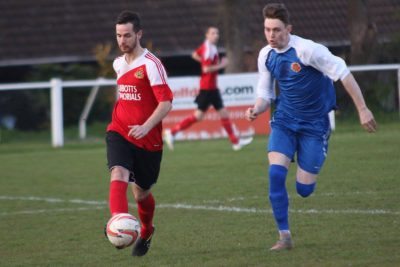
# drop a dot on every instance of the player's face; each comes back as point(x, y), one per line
point(212, 35)
point(127, 39)
point(276, 33)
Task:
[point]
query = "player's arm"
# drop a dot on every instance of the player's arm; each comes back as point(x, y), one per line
point(213, 68)
point(196, 56)
point(259, 107)
point(353, 89)
point(140, 131)
point(264, 92)
point(335, 68)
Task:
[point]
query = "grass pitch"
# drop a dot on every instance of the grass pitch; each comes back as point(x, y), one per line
point(212, 206)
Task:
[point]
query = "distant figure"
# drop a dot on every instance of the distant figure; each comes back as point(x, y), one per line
point(134, 136)
point(207, 56)
point(304, 72)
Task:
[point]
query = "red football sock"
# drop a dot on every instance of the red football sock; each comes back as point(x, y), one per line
point(227, 124)
point(146, 213)
point(118, 200)
point(184, 124)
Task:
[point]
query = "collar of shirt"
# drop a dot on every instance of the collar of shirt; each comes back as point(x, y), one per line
point(210, 50)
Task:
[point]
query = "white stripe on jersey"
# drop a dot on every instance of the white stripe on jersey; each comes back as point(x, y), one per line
point(159, 65)
point(210, 50)
point(154, 67)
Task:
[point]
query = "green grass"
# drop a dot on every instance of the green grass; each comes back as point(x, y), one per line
point(352, 219)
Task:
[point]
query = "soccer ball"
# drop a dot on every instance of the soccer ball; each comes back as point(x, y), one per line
point(122, 230)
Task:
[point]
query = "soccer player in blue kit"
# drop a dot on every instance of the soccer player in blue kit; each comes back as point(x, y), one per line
point(304, 72)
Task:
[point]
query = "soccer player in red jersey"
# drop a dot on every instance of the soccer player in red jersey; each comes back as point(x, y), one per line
point(207, 56)
point(134, 136)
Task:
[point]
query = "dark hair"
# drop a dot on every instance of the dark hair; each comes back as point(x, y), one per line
point(276, 11)
point(130, 17)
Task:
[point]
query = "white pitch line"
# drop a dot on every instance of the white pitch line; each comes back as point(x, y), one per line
point(316, 194)
point(24, 212)
point(55, 200)
point(103, 204)
point(254, 210)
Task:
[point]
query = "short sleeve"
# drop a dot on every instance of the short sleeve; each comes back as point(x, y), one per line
point(200, 51)
point(332, 66)
point(156, 72)
point(162, 92)
point(158, 80)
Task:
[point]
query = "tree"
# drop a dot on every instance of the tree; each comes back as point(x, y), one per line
point(234, 30)
point(379, 87)
point(363, 33)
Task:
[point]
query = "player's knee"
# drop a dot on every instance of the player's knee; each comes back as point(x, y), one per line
point(223, 113)
point(138, 198)
point(199, 118)
point(305, 190)
point(277, 174)
point(278, 197)
point(140, 195)
point(277, 178)
point(119, 174)
point(199, 115)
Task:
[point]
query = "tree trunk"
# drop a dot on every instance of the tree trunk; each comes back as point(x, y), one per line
point(234, 19)
point(363, 33)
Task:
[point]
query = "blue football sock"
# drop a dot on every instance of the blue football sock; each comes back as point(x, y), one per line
point(305, 190)
point(278, 195)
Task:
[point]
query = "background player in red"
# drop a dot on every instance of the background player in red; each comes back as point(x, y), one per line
point(134, 136)
point(207, 56)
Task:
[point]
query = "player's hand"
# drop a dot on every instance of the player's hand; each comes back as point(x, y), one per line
point(367, 120)
point(224, 62)
point(138, 131)
point(250, 114)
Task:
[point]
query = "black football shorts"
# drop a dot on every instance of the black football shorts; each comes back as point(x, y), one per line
point(144, 165)
point(209, 97)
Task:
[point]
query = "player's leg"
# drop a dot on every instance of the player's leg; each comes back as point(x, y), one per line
point(237, 142)
point(119, 162)
point(278, 168)
point(169, 134)
point(118, 201)
point(311, 155)
point(278, 196)
point(188, 121)
point(202, 106)
point(305, 182)
point(281, 146)
point(227, 124)
point(146, 171)
point(203, 103)
point(217, 102)
point(146, 206)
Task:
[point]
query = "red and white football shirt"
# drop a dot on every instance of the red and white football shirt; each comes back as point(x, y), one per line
point(141, 86)
point(209, 56)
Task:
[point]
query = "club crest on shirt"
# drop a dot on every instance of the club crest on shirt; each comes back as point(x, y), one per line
point(295, 67)
point(139, 74)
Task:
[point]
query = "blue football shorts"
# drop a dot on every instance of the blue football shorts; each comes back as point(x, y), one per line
point(308, 140)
